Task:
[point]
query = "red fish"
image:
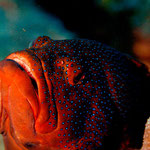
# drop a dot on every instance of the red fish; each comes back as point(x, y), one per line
point(72, 95)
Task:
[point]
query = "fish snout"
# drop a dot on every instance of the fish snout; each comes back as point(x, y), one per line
point(18, 100)
point(34, 68)
point(24, 96)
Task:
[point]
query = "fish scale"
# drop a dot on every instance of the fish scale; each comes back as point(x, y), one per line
point(89, 93)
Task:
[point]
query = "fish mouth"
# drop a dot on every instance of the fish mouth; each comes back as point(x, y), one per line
point(34, 68)
point(24, 68)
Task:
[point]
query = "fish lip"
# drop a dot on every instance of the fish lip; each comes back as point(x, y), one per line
point(26, 69)
point(34, 67)
point(22, 66)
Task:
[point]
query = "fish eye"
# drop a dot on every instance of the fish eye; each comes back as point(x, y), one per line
point(78, 79)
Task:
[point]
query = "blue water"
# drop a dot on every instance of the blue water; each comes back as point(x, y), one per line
point(22, 21)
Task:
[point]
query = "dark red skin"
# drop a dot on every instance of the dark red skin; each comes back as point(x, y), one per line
point(70, 95)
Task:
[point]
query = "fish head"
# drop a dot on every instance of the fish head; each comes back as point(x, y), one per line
point(29, 84)
point(63, 94)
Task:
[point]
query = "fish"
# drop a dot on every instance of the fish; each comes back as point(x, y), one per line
point(72, 95)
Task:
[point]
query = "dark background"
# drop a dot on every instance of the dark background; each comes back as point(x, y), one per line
point(92, 21)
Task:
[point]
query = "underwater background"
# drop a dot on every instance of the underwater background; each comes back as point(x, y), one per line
point(122, 24)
